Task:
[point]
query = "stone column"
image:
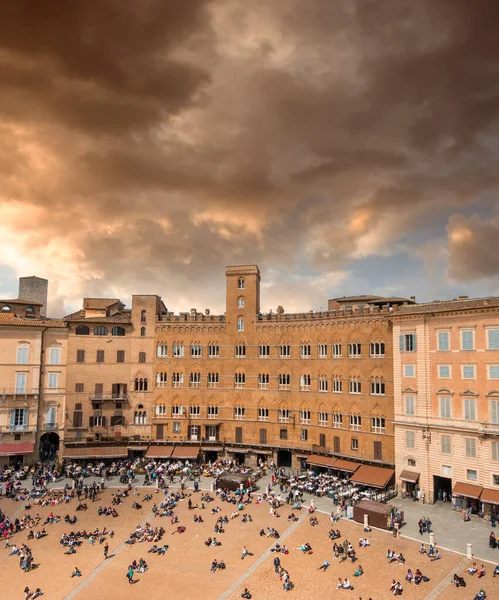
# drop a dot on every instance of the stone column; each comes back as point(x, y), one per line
point(432, 538)
point(469, 551)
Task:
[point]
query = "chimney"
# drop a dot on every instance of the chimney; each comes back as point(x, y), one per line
point(207, 312)
point(413, 298)
point(34, 289)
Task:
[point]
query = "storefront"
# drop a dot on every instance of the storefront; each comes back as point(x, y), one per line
point(465, 496)
point(159, 452)
point(211, 453)
point(317, 462)
point(409, 481)
point(490, 504)
point(13, 454)
point(185, 453)
point(92, 453)
point(377, 482)
point(345, 466)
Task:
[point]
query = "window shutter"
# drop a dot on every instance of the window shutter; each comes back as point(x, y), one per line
point(12, 418)
point(50, 416)
point(494, 412)
point(104, 421)
point(336, 444)
point(25, 416)
point(90, 421)
point(402, 341)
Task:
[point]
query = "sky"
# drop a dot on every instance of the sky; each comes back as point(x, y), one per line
point(345, 147)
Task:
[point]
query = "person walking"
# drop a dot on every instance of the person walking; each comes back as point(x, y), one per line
point(106, 550)
point(277, 564)
point(130, 575)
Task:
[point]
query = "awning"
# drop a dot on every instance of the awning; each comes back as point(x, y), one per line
point(16, 449)
point(185, 451)
point(266, 452)
point(490, 496)
point(369, 476)
point(239, 450)
point(321, 461)
point(211, 448)
point(82, 452)
point(159, 451)
point(302, 455)
point(346, 465)
point(467, 490)
point(409, 476)
point(137, 448)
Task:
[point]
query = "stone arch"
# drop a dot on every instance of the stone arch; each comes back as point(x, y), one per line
point(377, 411)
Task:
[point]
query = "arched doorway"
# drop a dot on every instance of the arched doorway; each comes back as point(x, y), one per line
point(49, 446)
point(284, 458)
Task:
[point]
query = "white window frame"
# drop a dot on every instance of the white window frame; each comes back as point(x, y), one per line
point(263, 351)
point(413, 375)
point(322, 350)
point(337, 420)
point(241, 284)
point(446, 444)
point(495, 343)
point(472, 474)
point(21, 383)
point(494, 450)
point(284, 381)
point(239, 413)
point(178, 350)
point(377, 349)
point(378, 424)
point(195, 411)
point(213, 350)
point(213, 379)
point(54, 356)
point(177, 379)
point(462, 334)
point(443, 335)
point(239, 380)
point(323, 418)
point(410, 440)
point(196, 350)
point(444, 407)
point(355, 422)
point(162, 350)
point(337, 385)
point(463, 367)
point(469, 409)
point(263, 413)
point(354, 385)
point(240, 323)
point(305, 416)
point(470, 447)
point(440, 376)
point(263, 381)
point(240, 302)
point(354, 443)
point(284, 351)
point(494, 412)
point(336, 350)
point(284, 415)
point(489, 371)
point(305, 381)
point(195, 379)
point(212, 411)
point(409, 405)
point(323, 384)
point(354, 350)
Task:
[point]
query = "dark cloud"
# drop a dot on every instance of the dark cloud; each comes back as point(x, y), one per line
point(155, 141)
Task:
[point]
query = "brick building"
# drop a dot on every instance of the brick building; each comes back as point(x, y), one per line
point(287, 386)
point(446, 382)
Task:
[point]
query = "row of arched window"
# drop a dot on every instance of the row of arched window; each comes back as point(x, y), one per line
point(102, 330)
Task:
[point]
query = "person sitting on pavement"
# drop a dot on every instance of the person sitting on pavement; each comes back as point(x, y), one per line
point(473, 569)
point(436, 556)
point(458, 581)
point(496, 570)
point(481, 595)
point(481, 571)
point(359, 571)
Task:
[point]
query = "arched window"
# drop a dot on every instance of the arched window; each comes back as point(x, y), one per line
point(240, 324)
point(118, 331)
point(141, 384)
point(82, 330)
point(142, 357)
point(240, 302)
point(142, 332)
point(30, 311)
point(240, 283)
point(6, 308)
point(101, 330)
point(143, 316)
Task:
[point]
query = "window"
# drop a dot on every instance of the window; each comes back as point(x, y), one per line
point(378, 424)
point(337, 420)
point(177, 411)
point(80, 356)
point(410, 439)
point(336, 350)
point(470, 447)
point(323, 385)
point(283, 434)
point(142, 357)
point(19, 419)
point(82, 330)
point(322, 351)
point(160, 410)
point(240, 324)
point(195, 380)
point(305, 382)
point(161, 350)
point(337, 384)
point(263, 381)
point(322, 440)
point(354, 385)
point(263, 414)
point(240, 302)
point(141, 384)
point(284, 415)
point(410, 405)
point(6, 309)
point(354, 445)
point(377, 386)
point(143, 316)
point(304, 435)
point(240, 351)
point(284, 351)
point(444, 371)
point(22, 355)
point(263, 351)
point(443, 341)
point(446, 470)
point(100, 356)
point(55, 356)
point(411, 462)
point(355, 421)
point(30, 311)
point(494, 412)
point(377, 349)
point(239, 380)
point(469, 405)
point(21, 383)
point(494, 446)
point(408, 342)
point(178, 350)
point(409, 371)
point(118, 331)
point(492, 339)
point(101, 330)
point(161, 379)
point(78, 415)
point(240, 283)
point(337, 444)
point(177, 379)
point(445, 444)
point(99, 389)
point(493, 371)
point(143, 334)
point(284, 381)
point(213, 351)
point(53, 381)
point(263, 436)
point(196, 350)
point(239, 435)
point(194, 412)
point(471, 475)
point(378, 450)
point(467, 339)
point(354, 350)
point(304, 416)
point(212, 412)
point(176, 427)
point(323, 418)
point(445, 408)
point(305, 351)
point(79, 388)
point(239, 412)
point(160, 432)
point(468, 371)
point(212, 380)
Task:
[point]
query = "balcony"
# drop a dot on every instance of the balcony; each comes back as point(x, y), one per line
point(104, 396)
point(23, 427)
point(51, 426)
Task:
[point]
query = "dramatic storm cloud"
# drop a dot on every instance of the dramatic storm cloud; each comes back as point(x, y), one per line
point(145, 145)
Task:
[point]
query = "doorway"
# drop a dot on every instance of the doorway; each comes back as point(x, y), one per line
point(49, 446)
point(284, 458)
point(239, 458)
point(444, 484)
point(211, 456)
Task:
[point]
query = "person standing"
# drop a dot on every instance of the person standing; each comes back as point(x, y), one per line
point(106, 550)
point(277, 564)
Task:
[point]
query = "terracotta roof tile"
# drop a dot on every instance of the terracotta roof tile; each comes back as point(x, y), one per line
point(448, 306)
point(12, 320)
point(357, 298)
point(99, 303)
point(21, 301)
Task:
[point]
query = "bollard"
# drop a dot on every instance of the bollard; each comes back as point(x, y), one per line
point(366, 522)
point(212, 486)
point(469, 551)
point(432, 539)
point(312, 505)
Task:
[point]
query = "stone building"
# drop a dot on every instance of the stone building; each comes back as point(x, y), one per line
point(110, 372)
point(32, 376)
point(446, 388)
point(284, 386)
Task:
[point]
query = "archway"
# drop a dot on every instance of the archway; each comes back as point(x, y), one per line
point(49, 446)
point(284, 458)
